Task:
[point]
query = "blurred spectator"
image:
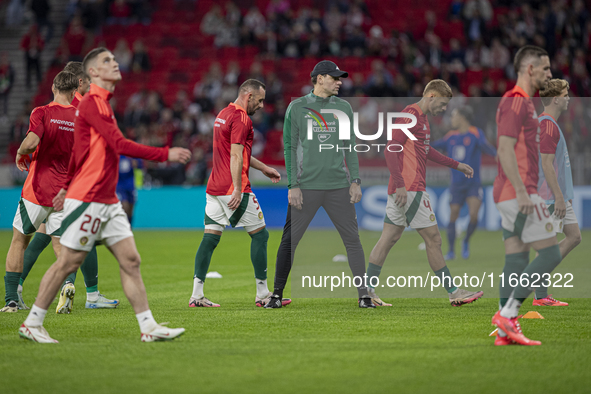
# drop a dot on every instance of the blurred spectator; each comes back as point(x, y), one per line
point(212, 21)
point(140, 60)
point(478, 56)
point(119, 13)
point(478, 9)
point(6, 81)
point(32, 44)
point(499, 54)
point(76, 41)
point(123, 55)
point(41, 9)
point(14, 13)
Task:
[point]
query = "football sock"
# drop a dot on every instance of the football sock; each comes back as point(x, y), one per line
point(451, 236)
point(197, 288)
point(470, 231)
point(278, 292)
point(11, 285)
point(70, 278)
point(89, 269)
point(515, 263)
point(36, 316)
point(373, 271)
point(146, 321)
point(204, 253)
point(36, 246)
point(547, 259)
point(262, 289)
point(92, 295)
point(258, 253)
point(446, 279)
point(511, 308)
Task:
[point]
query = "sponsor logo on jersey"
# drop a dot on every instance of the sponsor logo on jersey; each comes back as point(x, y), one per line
point(549, 227)
point(83, 241)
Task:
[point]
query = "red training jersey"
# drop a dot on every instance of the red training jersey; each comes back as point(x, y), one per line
point(54, 125)
point(98, 142)
point(549, 135)
point(408, 167)
point(232, 126)
point(517, 118)
point(77, 98)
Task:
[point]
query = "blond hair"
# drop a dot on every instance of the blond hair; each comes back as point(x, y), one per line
point(553, 89)
point(438, 86)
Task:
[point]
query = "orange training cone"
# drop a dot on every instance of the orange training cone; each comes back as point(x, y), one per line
point(532, 315)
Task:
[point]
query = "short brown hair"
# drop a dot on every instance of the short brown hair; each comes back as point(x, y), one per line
point(252, 84)
point(90, 56)
point(553, 89)
point(525, 52)
point(76, 69)
point(65, 82)
point(438, 86)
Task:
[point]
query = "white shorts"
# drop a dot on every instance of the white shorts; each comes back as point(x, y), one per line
point(29, 217)
point(88, 222)
point(417, 213)
point(569, 218)
point(536, 226)
point(248, 214)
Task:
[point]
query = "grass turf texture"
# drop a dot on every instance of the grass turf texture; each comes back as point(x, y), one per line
point(313, 345)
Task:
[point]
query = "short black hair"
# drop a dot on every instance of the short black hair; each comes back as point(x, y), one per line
point(77, 69)
point(525, 52)
point(65, 82)
point(90, 56)
point(252, 84)
point(467, 112)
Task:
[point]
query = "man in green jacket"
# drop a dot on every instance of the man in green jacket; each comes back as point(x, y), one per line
point(322, 171)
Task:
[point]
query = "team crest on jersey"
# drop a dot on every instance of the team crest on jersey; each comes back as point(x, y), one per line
point(549, 227)
point(260, 215)
point(83, 241)
point(432, 217)
point(323, 137)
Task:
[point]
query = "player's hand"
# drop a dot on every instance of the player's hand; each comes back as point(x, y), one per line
point(401, 196)
point(22, 162)
point(235, 200)
point(58, 200)
point(295, 197)
point(466, 169)
point(560, 207)
point(355, 193)
point(179, 155)
point(526, 205)
point(272, 174)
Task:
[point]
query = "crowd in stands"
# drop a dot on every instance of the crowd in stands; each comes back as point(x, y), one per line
point(177, 77)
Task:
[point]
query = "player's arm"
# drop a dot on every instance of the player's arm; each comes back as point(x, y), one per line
point(440, 144)
point(352, 161)
point(290, 134)
point(236, 162)
point(107, 127)
point(508, 160)
point(484, 145)
point(32, 140)
point(549, 138)
point(269, 172)
point(392, 161)
point(552, 180)
point(439, 158)
point(27, 147)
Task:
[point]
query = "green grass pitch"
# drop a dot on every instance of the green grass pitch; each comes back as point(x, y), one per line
point(311, 346)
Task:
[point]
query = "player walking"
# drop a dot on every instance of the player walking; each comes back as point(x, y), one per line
point(526, 221)
point(49, 139)
point(230, 200)
point(94, 299)
point(556, 181)
point(464, 143)
point(328, 179)
point(91, 209)
point(408, 202)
